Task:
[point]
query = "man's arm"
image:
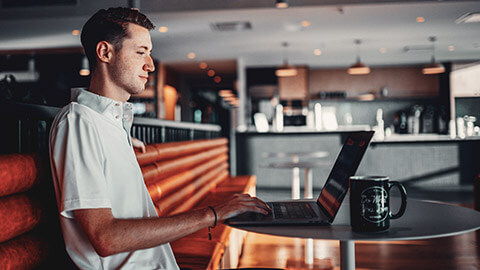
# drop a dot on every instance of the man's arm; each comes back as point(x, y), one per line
point(109, 235)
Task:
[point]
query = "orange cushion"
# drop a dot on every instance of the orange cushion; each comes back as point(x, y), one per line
point(18, 214)
point(201, 253)
point(24, 252)
point(19, 172)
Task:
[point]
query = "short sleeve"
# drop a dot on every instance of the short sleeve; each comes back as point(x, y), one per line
point(78, 165)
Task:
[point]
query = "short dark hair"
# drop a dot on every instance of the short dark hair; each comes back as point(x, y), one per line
point(109, 25)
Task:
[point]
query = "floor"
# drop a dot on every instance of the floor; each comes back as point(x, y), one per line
point(458, 252)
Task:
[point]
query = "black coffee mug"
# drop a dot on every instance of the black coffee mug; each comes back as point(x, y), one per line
point(370, 203)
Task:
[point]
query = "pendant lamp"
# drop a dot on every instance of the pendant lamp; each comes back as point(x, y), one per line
point(433, 67)
point(85, 67)
point(286, 70)
point(281, 3)
point(358, 68)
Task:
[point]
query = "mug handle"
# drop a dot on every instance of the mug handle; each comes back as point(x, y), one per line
point(403, 193)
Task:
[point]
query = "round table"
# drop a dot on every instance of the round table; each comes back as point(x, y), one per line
point(422, 220)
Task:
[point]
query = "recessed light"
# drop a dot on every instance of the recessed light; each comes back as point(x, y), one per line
point(163, 29)
point(420, 19)
point(76, 32)
point(305, 23)
point(451, 48)
point(191, 55)
point(211, 73)
point(217, 79)
point(317, 52)
point(383, 50)
point(203, 65)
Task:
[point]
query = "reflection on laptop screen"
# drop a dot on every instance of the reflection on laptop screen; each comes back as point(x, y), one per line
point(346, 165)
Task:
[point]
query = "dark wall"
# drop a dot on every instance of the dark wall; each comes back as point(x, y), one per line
point(58, 73)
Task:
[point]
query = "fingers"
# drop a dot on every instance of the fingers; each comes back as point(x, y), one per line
point(139, 145)
point(241, 203)
point(254, 204)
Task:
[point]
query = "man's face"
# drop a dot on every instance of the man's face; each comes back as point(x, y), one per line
point(131, 63)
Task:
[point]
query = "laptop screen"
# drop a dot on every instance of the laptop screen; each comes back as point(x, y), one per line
point(346, 165)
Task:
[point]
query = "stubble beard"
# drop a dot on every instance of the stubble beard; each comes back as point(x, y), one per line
point(123, 81)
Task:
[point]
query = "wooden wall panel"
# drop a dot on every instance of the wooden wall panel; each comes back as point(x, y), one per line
point(295, 87)
point(400, 81)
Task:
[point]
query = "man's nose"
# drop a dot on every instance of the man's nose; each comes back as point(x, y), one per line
point(149, 65)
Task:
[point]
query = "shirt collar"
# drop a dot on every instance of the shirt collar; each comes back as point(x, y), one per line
point(120, 112)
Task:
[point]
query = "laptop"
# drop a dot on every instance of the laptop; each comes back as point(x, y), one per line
point(325, 208)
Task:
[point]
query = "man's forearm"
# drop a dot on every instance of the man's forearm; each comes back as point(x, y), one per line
point(109, 235)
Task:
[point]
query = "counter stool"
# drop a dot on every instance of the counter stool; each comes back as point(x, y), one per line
point(296, 165)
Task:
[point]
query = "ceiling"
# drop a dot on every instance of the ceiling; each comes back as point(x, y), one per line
point(333, 27)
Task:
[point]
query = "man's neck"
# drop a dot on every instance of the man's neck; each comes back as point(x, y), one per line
point(103, 87)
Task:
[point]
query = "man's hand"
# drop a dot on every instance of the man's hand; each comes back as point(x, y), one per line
point(241, 203)
point(139, 145)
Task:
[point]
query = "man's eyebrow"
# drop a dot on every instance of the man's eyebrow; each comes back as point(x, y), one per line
point(146, 48)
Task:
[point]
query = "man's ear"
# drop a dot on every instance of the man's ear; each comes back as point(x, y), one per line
point(104, 51)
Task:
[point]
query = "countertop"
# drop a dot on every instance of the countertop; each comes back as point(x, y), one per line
point(394, 138)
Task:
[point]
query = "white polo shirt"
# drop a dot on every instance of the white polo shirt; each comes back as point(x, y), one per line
point(94, 166)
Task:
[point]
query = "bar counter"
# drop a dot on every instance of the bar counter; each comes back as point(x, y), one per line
point(421, 160)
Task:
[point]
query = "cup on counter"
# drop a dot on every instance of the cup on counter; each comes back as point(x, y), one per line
point(370, 203)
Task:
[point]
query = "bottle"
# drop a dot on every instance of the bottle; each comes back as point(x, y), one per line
point(379, 128)
point(317, 110)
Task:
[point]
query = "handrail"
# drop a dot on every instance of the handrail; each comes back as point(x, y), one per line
point(175, 124)
point(27, 127)
point(46, 112)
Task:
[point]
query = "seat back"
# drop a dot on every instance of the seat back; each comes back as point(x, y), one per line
point(179, 174)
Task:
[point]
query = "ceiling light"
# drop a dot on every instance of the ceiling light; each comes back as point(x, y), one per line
point(191, 55)
point(305, 23)
point(217, 79)
point(383, 50)
point(163, 29)
point(317, 52)
point(76, 32)
point(286, 70)
point(225, 92)
point(211, 73)
point(281, 3)
point(203, 65)
point(358, 68)
point(433, 67)
point(451, 48)
point(85, 67)
point(472, 17)
point(420, 19)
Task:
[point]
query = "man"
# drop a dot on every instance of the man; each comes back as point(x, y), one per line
point(107, 216)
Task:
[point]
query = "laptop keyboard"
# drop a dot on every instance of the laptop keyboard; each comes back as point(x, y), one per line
point(293, 210)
